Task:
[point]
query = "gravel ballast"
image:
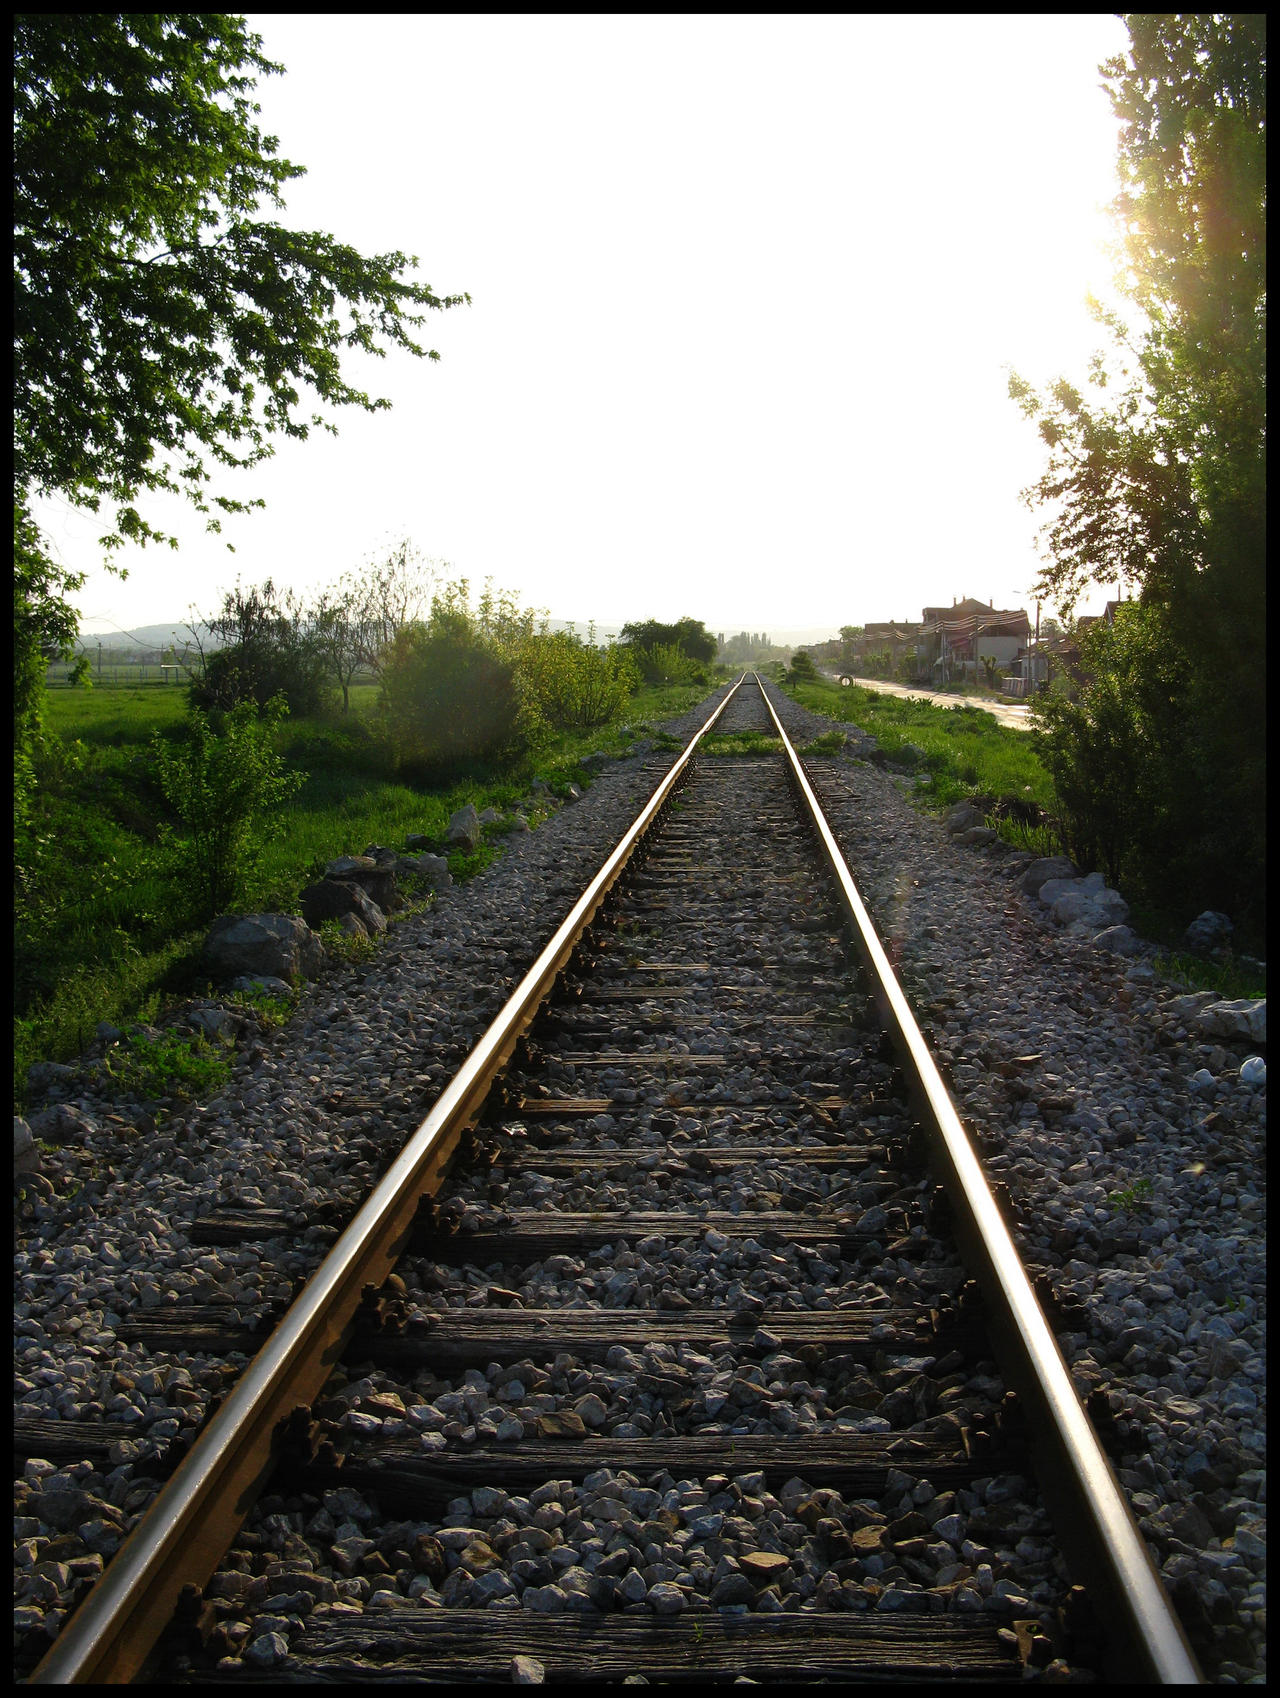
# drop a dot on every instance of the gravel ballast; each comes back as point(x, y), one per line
point(1137, 1184)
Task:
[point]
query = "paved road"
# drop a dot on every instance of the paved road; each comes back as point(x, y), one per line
point(1014, 716)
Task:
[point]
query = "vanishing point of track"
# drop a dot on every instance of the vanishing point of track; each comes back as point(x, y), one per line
point(724, 936)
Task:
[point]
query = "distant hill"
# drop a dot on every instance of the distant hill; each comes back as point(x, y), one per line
point(146, 637)
point(160, 636)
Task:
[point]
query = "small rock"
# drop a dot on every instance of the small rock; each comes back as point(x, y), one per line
point(267, 1651)
point(561, 1424)
point(528, 1671)
point(762, 1567)
point(666, 1598)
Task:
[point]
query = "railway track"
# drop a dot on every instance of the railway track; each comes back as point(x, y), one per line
point(683, 1339)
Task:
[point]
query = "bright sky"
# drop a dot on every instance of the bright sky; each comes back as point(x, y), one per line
point(743, 295)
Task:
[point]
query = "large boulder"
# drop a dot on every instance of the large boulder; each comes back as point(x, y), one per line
point(26, 1157)
point(1245, 1018)
point(1207, 932)
point(331, 898)
point(464, 830)
point(1118, 940)
point(432, 870)
point(280, 945)
point(1084, 901)
point(965, 816)
point(64, 1123)
point(377, 880)
point(1040, 872)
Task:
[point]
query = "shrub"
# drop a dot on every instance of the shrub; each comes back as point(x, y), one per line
point(572, 685)
point(450, 698)
point(221, 787)
point(1135, 784)
point(667, 663)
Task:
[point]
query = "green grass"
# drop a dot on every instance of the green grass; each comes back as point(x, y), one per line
point(104, 930)
point(169, 1066)
point(1229, 978)
point(966, 752)
point(739, 743)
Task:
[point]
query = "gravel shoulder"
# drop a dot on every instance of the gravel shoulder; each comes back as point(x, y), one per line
point(1139, 1194)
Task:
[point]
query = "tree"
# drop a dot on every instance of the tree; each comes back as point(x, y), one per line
point(270, 648)
point(160, 322)
point(355, 622)
point(156, 314)
point(1157, 474)
point(338, 632)
point(391, 594)
point(44, 629)
point(802, 671)
point(691, 635)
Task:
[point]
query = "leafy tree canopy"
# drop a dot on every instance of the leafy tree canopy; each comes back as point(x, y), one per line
point(160, 321)
point(691, 635)
point(1158, 475)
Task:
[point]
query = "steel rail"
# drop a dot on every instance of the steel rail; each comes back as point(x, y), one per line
point(1144, 1639)
point(194, 1519)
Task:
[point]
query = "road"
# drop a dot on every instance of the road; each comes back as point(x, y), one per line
point(1014, 716)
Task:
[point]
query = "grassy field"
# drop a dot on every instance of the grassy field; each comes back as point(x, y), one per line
point(964, 751)
point(104, 930)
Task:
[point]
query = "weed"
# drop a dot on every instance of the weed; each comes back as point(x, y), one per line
point(168, 1066)
point(271, 1012)
point(829, 743)
point(343, 945)
point(1133, 1196)
point(1232, 977)
point(739, 743)
point(464, 866)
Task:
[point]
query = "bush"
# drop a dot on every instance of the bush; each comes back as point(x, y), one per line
point(1089, 749)
point(450, 698)
point(667, 663)
point(293, 671)
point(221, 787)
point(571, 685)
point(1143, 790)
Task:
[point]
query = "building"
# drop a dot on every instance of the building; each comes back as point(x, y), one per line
point(970, 640)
